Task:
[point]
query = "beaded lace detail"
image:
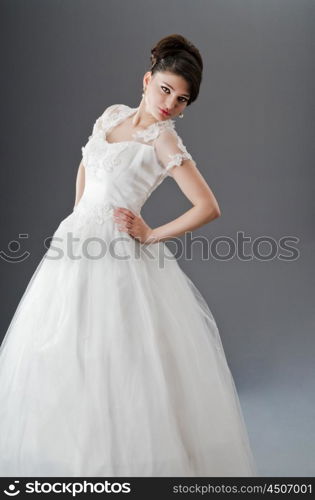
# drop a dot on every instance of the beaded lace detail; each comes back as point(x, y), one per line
point(178, 158)
point(153, 130)
point(96, 212)
point(104, 160)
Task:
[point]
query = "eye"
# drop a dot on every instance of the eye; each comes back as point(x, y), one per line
point(166, 88)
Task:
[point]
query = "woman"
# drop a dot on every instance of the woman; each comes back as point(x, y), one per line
point(112, 364)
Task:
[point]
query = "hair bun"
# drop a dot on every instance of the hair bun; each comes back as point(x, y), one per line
point(172, 46)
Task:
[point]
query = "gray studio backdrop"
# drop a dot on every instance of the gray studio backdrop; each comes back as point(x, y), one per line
point(251, 133)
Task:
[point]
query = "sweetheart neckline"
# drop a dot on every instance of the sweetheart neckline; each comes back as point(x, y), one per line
point(130, 112)
point(126, 142)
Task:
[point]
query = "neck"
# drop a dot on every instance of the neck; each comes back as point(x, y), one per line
point(142, 118)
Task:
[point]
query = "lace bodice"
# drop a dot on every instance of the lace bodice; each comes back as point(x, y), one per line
point(125, 173)
point(170, 150)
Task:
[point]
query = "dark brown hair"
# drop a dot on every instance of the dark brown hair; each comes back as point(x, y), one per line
point(178, 55)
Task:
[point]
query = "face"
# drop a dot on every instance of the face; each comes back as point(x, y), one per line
point(165, 91)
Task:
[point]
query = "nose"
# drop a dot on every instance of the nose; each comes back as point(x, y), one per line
point(170, 104)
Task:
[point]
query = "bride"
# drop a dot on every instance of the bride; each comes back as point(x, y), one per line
point(113, 365)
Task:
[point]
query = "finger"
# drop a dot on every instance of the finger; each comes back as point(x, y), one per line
point(126, 211)
point(126, 217)
point(123, 217)
point(125, 222)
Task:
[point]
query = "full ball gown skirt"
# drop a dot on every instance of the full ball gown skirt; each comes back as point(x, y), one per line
point(112, 364)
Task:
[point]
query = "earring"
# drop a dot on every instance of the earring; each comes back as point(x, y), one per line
point(181, 115)
point(143, 92)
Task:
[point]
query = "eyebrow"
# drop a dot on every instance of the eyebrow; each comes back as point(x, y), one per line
point(187, 95)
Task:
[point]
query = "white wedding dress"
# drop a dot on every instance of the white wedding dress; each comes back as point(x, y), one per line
point(112, 364)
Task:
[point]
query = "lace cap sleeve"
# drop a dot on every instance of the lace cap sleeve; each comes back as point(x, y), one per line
point(100, 125)
point(170, 150)
point(101, 121)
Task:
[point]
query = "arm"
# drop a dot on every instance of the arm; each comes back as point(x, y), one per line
point(179, 164)
point(80, 183)
point(205, 206)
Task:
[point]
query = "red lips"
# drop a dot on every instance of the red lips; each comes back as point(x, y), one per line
point(164, 112)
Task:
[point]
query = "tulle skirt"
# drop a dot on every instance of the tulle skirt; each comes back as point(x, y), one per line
point(112, 365)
